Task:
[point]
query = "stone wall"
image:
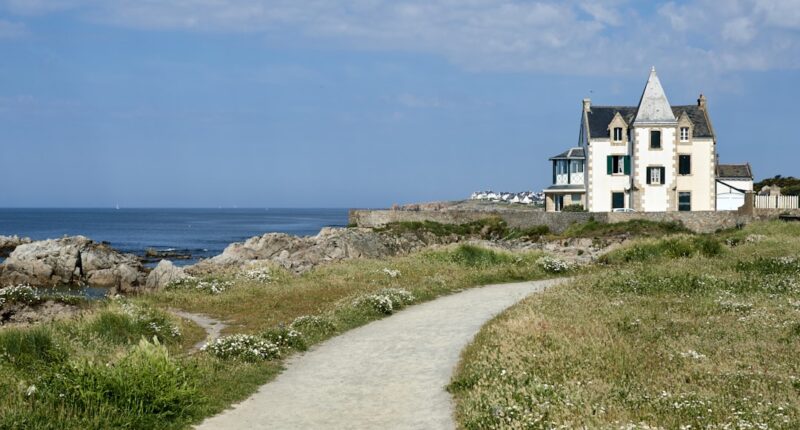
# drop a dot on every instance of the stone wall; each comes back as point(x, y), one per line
point(556, 221)
point(700, 222)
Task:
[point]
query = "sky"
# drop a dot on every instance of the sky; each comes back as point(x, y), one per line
point(363, 103)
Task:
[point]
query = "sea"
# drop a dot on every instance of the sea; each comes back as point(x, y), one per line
point(192, 234)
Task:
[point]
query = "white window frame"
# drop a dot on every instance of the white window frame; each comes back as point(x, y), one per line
point(617, 139)
point(576, 167)
point(684, 134)
point(655, 176)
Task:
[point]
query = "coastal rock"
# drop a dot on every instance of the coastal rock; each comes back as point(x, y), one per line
point(300, 254)
point(164, 274)
point(71, 260)
point(9, 243)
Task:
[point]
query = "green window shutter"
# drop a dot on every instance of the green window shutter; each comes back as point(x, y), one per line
point(609, 163)
point(648, 176)
point(627, 164)
point(663, 171)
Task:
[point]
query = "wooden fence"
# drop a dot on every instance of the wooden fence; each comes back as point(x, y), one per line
point(777, 202)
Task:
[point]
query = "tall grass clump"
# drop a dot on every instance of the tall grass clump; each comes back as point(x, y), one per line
point(475, 256)
point(637, 227)
point(679, 247)
point(30, 348)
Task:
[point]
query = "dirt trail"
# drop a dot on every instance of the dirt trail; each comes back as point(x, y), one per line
point(389, 374)
point(213, 327)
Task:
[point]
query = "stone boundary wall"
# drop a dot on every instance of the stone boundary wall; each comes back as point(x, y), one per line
point(700, 222)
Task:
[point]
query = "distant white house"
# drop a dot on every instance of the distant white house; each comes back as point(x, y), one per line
point(733, 181)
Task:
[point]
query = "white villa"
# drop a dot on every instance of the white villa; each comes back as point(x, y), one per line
point(653, 157)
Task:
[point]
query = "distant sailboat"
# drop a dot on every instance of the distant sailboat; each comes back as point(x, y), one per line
point(117, 206)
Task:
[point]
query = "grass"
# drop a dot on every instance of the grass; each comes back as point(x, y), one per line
point(682, 332)
point(635, 228)
point(124, 364)
point(488, 228)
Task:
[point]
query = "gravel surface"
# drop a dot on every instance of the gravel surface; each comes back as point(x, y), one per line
point(389, 374)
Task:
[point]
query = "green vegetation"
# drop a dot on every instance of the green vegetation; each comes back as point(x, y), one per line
point(573, 208)
point(681, 332)
point(488, 228)
point(789, 185)
point(633, 228)
point(126, 363)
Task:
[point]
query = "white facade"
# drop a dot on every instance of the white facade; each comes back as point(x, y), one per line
point(731, 190)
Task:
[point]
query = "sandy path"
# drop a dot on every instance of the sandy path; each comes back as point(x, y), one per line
point(212, 326)
point(389, 374)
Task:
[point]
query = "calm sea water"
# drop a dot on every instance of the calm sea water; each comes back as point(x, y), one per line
point(200, 232)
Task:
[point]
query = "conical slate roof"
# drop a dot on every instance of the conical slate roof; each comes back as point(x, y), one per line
point(654, 106)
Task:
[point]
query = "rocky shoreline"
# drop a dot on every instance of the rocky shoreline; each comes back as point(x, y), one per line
point(78, 260)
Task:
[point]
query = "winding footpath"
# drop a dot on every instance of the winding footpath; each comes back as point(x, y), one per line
point(389, 374)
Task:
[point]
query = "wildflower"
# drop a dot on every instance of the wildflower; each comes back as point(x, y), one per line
point(554, 265)
point(30, 391)
point(391, 273)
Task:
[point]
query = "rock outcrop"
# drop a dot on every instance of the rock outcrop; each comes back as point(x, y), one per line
point(300, 254)
point(9, 243)
point(72, 260)
point(164, 274)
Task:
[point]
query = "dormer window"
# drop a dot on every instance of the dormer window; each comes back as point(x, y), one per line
point(684, 134)
point(617, 134)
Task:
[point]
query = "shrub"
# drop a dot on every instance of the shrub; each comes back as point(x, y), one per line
point(386, 301)
point(313, 323)
point(242, 347)
point(637, 227)
point(770, 266)
point(23, 294)
point(285, 337)
point(554, 265)
point(672, 248)
point(259, 274)
point(29, 347)
point(210, 286)
point(573, 208)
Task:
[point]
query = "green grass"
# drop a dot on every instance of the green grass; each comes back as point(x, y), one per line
point(633, 228)
point(692, 335)
point(489, 228)
point(103, 369)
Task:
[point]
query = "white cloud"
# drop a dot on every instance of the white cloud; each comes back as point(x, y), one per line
point(739, 30)
point(570, 36)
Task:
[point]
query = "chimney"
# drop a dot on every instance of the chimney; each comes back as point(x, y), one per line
point(701, 102)
point(587, 105)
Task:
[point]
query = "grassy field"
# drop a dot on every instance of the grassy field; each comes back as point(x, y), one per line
point(125, 363)
point(684, 332)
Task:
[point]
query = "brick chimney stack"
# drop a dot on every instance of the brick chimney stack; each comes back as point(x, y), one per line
point(587, 105)
point(701, 102)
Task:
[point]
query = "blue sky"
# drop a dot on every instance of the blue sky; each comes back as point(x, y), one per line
point(364, 103)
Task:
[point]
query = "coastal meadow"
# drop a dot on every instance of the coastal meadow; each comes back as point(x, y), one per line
point(684, 332)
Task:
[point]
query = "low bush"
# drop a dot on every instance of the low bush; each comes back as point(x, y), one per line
point(554, 265)
point(285, 337)
point(243, 347)
point(210, 286)
point(387, 300)
point(573, 208)
point(313, 325)
point(22, 294)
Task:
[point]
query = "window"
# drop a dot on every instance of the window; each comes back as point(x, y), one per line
point(684, 134)
point(684, 201)
point(655, 139)
point(617, 200)
point(575, 199)
point(655, 175)
point(559, 202)
point(619, 165)
point(617, 134)
point(577, 167)
point(684, 164)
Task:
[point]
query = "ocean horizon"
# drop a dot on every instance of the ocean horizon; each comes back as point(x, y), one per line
point(191, 233)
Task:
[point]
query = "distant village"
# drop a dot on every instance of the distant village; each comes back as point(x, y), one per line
point(525, 197)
